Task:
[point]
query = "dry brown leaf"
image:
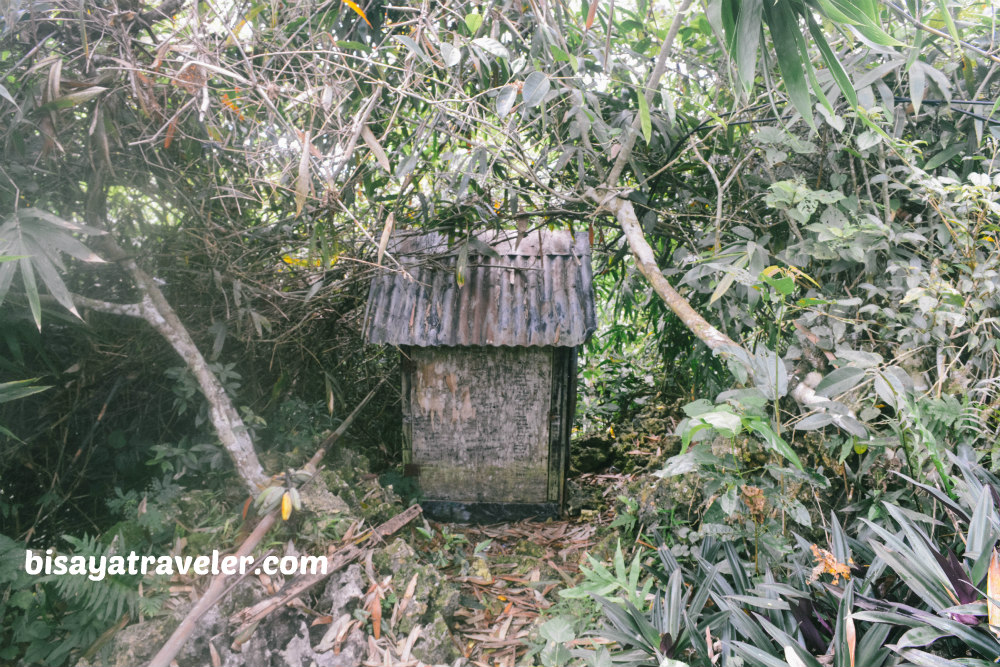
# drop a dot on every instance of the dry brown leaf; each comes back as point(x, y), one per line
point(851, 636)
point(386, 234)
point(375, 148)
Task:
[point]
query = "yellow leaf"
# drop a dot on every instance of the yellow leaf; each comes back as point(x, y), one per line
point(357, 10)
point(993, 593)
point(286, 505)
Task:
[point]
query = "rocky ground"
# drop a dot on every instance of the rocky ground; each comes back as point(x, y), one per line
point(434, 594)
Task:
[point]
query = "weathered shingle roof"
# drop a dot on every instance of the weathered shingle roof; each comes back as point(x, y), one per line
point(539, 292)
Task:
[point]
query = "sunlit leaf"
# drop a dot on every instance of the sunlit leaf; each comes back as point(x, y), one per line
point(535, 88)
point(357, 10)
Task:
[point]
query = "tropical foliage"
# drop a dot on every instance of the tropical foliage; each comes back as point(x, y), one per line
point(794, 209)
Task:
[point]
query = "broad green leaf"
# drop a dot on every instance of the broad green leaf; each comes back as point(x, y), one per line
point(535, 88)
point(559, 630)
point(473, 21)
point(505, 100)
point(841, 380)
point(452, 55)
point(491, 45)
point(813, 422)
point(775, 442)
point(644, 119)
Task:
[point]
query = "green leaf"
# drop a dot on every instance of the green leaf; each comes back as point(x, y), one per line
point(644, 120)
point(832, 63)
point(559, 630)
point(943, 156)
point(473, 21)
point(950, 23)
point(505, 100)
point(784, 26)
point(746, 40)
point(775, 442)
point(31, 291)
point(491, 45)
point(413, 47)
point(535, 88)
point(840, 380)
point(6, 95)
point(354, 46)
point(53, 282)
point(72, 99)
point(11, 391)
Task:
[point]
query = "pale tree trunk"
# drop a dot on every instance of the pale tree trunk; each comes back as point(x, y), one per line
point(157, 311)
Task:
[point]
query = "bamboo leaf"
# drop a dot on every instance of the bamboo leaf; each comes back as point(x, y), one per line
point(11, 391)
point(644, 119)
point(31, 290)
point(50, 277)
point(6, 95)
point(386, 234)
point(950, 23)
point(747, 38)
point(832, 63)
point(784, 25)
point(357, 10)
point(72, 99)
point(375, 148)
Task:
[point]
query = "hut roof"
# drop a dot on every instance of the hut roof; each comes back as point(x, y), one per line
point(538, 292)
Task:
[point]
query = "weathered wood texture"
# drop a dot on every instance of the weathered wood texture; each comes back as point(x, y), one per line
point(477, 422)
point(537, 293)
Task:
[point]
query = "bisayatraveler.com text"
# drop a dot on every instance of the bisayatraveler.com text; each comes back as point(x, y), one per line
point(98, 567)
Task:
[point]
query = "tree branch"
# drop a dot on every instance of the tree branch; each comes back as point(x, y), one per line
point(613, 200)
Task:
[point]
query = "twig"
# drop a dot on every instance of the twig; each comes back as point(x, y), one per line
point(253, 615)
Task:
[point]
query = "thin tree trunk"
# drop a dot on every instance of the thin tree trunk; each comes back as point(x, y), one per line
point(155, 309)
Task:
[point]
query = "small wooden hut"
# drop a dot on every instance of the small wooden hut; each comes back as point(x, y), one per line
point(488, 366)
